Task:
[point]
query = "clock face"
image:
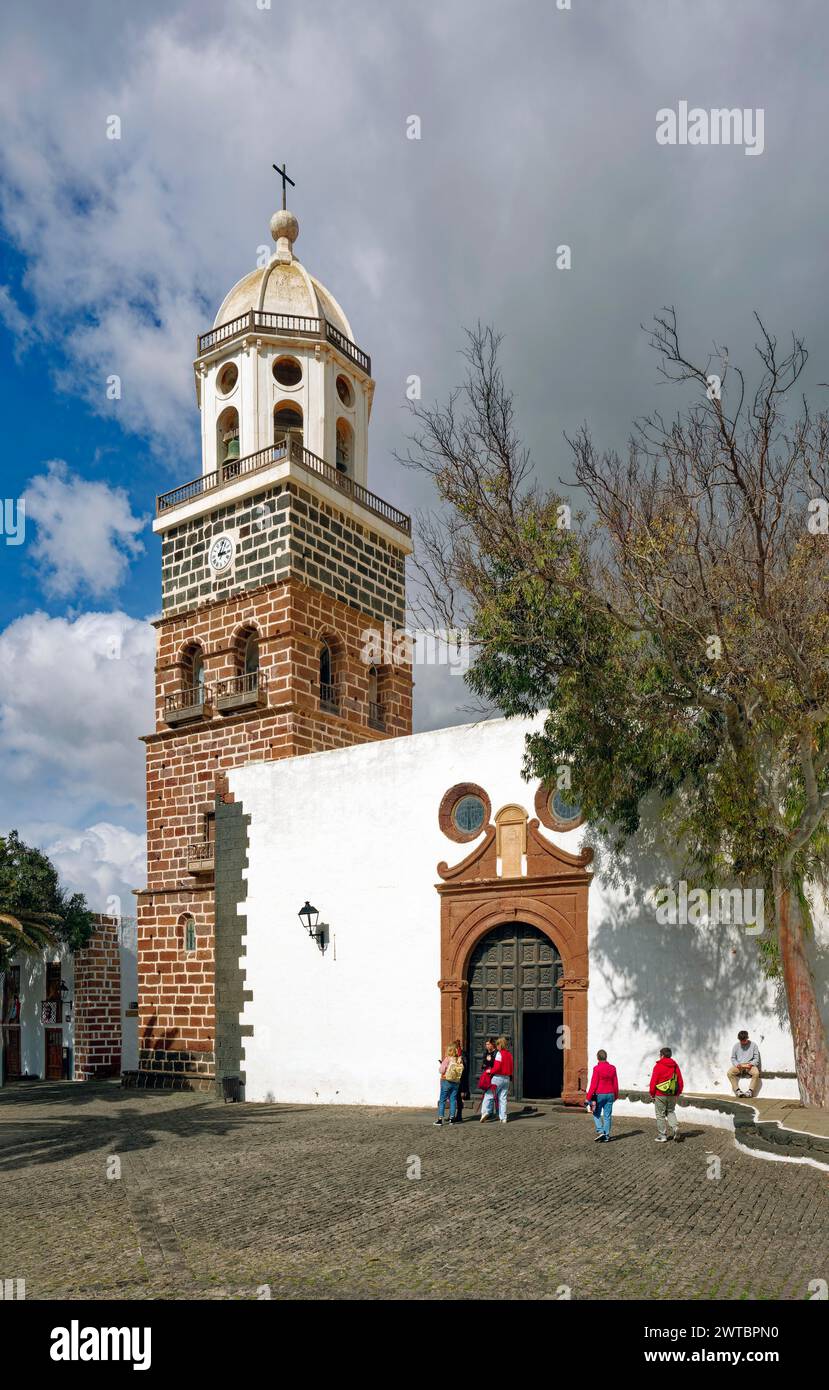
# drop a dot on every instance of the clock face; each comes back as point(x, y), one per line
point(221, 553)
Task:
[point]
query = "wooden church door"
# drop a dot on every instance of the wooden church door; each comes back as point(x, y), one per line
point(513, 989)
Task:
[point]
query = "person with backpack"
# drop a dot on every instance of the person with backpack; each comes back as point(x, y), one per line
point(463, 1087)
point(502, 1069)
point(451, 1071)
point(601, 1093)
point(666, 1085)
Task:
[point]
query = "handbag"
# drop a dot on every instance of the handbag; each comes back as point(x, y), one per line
point(485, 1080)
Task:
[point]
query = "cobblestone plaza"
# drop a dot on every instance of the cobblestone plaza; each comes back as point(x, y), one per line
point(242, 1201)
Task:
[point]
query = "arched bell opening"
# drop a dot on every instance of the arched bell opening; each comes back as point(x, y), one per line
point(287, 424)
point(345, 448)
point(227, 436)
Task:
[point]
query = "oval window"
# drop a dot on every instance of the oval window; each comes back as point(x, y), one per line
point(228, 378)
point(469, 814)
point(344, 390)
point(287, 371)
point(564, 809)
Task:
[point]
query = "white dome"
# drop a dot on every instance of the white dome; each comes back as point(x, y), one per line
point(283, 286)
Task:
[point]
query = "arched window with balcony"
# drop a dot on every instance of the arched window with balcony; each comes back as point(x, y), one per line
point(197, 672)
point(250, 659)
point(247, 686)
point(329, 689)
point(189, 700)
point(287, 424)
point(376, 716)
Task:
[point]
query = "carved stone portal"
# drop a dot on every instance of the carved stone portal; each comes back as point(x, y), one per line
point(551, 895)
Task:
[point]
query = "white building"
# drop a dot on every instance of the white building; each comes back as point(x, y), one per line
point(72, 1016)
point(361, 832)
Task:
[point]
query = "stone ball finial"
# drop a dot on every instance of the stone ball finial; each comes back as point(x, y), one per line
point(284, 224)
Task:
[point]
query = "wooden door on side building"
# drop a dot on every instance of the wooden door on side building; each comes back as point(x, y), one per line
point(11, 1020)
point(11, 1052)
point(54, 1054)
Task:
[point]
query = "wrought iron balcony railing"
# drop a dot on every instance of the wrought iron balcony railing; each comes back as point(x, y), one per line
point(200, 857)
point(190, 702)
point(289, 448)
point(239, 692)
point(283, 325)
point(329, 698)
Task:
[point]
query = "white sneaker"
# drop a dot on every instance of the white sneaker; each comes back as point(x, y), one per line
point(661, 1139)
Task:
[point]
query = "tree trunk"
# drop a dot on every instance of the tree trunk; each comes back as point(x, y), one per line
point(811, 1054)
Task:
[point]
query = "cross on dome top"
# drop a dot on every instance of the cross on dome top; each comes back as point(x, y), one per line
point(284, 226)
point(285, 179)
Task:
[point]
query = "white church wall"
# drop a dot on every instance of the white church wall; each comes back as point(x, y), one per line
point(356, 832)
point(689, 987)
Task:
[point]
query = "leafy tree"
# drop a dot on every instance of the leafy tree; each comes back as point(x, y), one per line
point(677, 632)
point(35, 910)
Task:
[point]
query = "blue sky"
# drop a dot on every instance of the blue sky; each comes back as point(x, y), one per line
point(538, 128)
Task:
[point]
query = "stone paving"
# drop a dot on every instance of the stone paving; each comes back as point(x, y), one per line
point(235, 1201)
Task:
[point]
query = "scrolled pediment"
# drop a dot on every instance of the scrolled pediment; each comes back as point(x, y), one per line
point(544, 860)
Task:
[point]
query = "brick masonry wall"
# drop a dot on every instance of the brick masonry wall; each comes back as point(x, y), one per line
point(291, 619)
point(97, 1003)
point(176, 1011)
point(285, 530)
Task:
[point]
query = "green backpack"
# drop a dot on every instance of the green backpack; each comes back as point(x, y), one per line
point(667, 1088)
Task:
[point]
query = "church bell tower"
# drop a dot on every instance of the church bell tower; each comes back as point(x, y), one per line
point(280, 571)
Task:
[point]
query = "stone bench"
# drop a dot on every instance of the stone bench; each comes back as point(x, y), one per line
point(750, 1132)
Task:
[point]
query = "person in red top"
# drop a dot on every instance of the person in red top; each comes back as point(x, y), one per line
point(666, 1085)
point(601, 1093)
point(502, 1069)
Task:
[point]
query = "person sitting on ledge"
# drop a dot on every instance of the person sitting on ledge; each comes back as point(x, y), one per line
point(745, 1061)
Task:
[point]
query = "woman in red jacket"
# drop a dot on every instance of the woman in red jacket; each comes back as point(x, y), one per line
point(603, 1090)
point(502, 1069)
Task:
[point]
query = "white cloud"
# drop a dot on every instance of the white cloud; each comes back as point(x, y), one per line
point(132, 243)
point(86, 532)
point(105, 862)
point(19, 324)
point(75, 694)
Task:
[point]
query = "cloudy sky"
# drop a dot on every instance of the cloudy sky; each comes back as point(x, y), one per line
point(537, 129)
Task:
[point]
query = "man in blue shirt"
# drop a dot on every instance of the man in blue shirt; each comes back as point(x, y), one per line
point(745, 1061)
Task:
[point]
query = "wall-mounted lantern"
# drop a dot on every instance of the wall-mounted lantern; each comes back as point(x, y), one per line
point(309, 917)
